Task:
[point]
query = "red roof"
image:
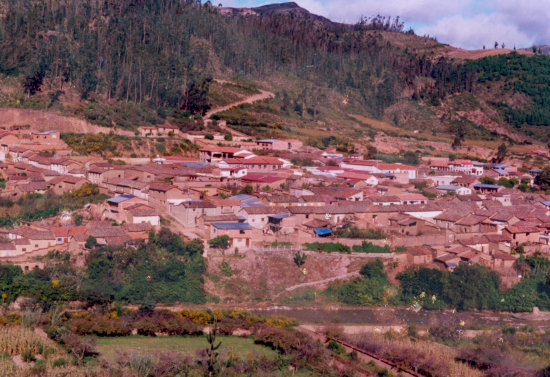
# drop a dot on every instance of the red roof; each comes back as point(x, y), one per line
point(261, 178)
point(221, 149)
point(259, 160)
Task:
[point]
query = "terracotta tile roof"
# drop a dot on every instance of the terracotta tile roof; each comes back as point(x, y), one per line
point(522, 228)
point(471, 220)
point(161, 186)
point(265, 210)
point(135, 228)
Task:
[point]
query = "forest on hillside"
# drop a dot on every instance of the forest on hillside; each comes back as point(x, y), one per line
point(164, 54)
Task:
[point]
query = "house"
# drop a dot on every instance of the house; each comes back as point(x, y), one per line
point(405, 225)
point(117, 206)
point(457, 190)
point(189, 212)
point(258, 217)
point(338, 193)
point(255, 163)
point(46, 137)
point(141, 214)
point(64, 234)
point(65, 183)
point(465, 181)
point(214, 154)
point(470, 224)
point(63, 165)
point(164, 194)
point(522, 233)
point(259, 181)
point(418, 255)
point(485, 188)
point(376, 166)
point(280, 145)
point(458, 165)
point(369, 179)
point(412, 198)
point(240, 234)
point(106, 234)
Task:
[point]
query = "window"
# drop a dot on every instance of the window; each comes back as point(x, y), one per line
point(241, 231)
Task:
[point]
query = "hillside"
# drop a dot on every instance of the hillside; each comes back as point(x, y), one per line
point(127, 64)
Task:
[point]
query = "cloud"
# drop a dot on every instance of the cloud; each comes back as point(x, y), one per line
point(474, 32)
point(462, 23)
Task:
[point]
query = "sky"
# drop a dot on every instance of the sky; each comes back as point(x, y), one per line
point(468, 24)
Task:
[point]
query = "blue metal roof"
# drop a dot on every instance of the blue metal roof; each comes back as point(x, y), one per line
point(238, 226)
point(486, 185)
point(242, 197)
point(267, 141)
point(281, 215)
point(500, 166)
point(322, 231)
point(546, 203)
point(447, 187)
point(120, 198)
point(501, 171)
point(192, 164)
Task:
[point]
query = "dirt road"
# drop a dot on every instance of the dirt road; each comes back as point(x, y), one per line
point(264, 94)
point(324, 281)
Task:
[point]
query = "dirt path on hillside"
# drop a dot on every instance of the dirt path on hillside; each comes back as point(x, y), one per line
point(264, 94)
point(324, 281)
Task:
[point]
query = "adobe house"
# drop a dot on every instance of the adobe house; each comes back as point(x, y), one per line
point(189, 212)
point(258, 217)
point(240, 234)
point(522, 234)
point(142, 214)
point(50, 137)
point(163, 194)
point(117, 205)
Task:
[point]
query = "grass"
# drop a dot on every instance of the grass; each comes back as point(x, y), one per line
point(188, 346)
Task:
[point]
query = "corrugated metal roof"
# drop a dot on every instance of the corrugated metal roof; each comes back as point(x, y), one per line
point(120, 198)
point(238, 226)
point(322, 231)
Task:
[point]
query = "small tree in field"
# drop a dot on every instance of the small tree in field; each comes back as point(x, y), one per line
point(300, 259)
point(220, 242)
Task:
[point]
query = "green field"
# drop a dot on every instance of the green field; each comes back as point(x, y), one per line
point(187, 345)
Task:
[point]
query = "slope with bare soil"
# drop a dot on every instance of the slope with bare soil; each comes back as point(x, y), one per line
point(256, 274)
point(42, 120)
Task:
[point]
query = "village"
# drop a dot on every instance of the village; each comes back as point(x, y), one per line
point(440, 213)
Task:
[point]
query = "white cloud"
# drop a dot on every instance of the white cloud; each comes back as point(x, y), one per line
point(474, 32)
point(462, 23)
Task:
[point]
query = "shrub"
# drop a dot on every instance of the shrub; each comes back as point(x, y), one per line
point(369, 247)
point(28, 356)
point(327, 247)
point(354, 232)
point(300, 259)
point(225, 268)
point(61, 362)
point(39, 368)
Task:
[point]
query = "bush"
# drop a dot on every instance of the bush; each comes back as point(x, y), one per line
point(354, 232)
point(327, 247)
point(39, 368)
point(369, 247)
point(225, 268)
point(61, 362)
point(28, 356)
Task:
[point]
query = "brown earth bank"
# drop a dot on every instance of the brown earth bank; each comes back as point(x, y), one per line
point(41, 120)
